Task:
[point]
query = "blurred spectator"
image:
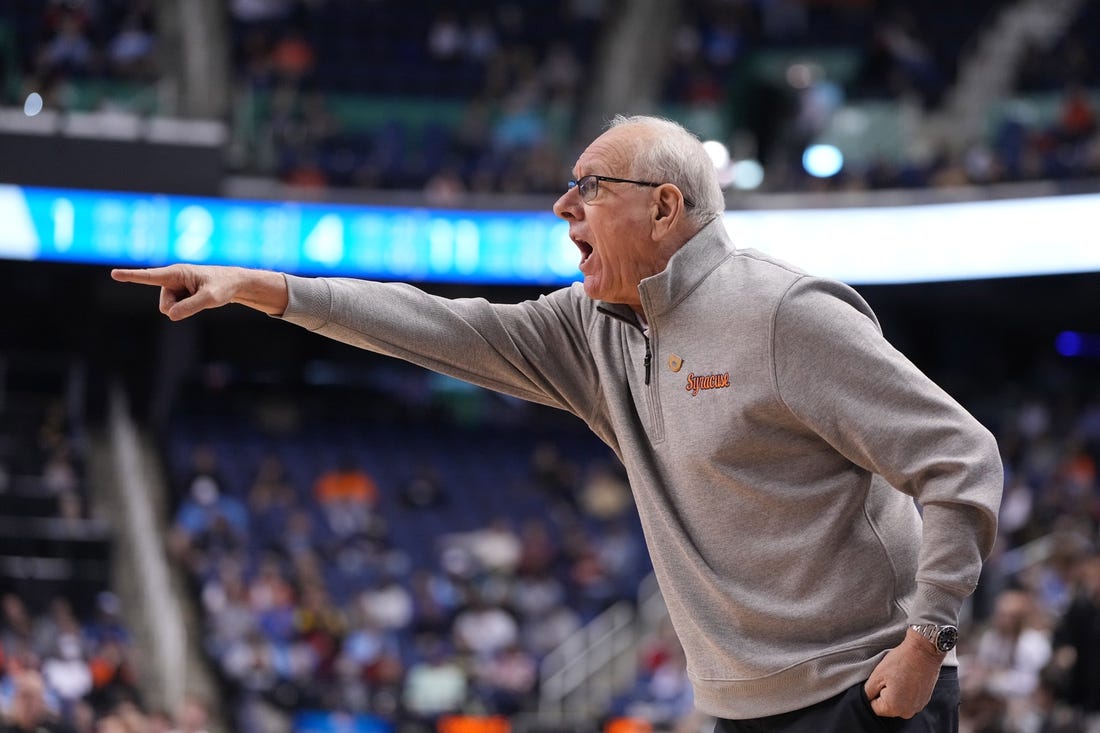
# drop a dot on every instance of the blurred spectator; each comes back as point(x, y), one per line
point(193, 716)
point(131, 52)
point(69, 51)
point(605, 493)
point(483, 628)
point(28, 712)
point(114, 675)
point(388, 604)
point(271, 597)
point(1013, 651)
point(506, 681)
point(159, 721)
point(300, 535)
point(67, 672)
point(18, 633)
point(1077, 639)
point(495, 548)
point(59, 474)
point(662, 694)
point(209, 522)
point(271, 501)
point(369, 653)
point(203, 469)
point(591, 581)
point(435, 599)
point(535, 594)
point(130, 715)
point(106, 622)
point(665, 696)
point(445, 37)
point(346, 494)
point(293, 57)
point(621, 555)
point(83, 718)
point(321, 625)
point(208, 525)
point(1077, 117)
point(229, 616)
point(252, 663)
point(445, 187)
point(543, 631)
point(436, 685)
point(538, 553)
point(112, 724)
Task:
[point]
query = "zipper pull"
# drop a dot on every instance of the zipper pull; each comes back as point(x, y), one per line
point(648, 359)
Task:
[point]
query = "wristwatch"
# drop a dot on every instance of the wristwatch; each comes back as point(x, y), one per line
point(943, 638)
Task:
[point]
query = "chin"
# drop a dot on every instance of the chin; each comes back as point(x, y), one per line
point(591, 289)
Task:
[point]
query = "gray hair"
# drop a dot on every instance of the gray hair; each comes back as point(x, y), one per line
point(676, 155)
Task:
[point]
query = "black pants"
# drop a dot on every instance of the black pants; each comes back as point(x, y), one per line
point(850, 712)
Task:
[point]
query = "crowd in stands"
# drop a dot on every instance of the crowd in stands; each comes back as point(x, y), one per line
point(400, 578)
point(487, 96)
point(56, 45)
point(68, 661)
point(522, 89)
point(501, 81)
point(1031, 654)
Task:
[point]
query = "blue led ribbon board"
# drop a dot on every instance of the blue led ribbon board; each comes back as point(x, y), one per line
point(871, 245)
point(127, 229)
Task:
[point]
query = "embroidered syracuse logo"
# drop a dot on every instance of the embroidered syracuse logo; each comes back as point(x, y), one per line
point(707, 381)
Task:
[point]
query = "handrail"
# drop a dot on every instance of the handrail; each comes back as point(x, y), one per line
point(580, 676)
point(169, 654)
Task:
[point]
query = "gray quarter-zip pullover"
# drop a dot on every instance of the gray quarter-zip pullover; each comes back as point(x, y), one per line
point(773, 439)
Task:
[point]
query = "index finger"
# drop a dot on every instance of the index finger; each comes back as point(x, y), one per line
point(149, 276)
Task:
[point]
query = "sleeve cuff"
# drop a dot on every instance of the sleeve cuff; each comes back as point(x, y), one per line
point(936, 605)
point(309, 302)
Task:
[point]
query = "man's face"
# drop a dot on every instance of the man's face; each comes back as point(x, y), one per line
point(614, 231)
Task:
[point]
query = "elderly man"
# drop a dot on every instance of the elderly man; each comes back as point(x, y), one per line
point(773, 439)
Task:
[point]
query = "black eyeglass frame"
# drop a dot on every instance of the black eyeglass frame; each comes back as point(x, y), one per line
point(579, 183)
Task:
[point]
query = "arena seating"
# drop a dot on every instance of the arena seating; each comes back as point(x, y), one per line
point(60, 616)
point(496, 487)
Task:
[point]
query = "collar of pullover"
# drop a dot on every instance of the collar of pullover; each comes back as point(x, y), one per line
point(686, 269)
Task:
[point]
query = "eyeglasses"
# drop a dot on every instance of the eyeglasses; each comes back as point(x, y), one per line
point(588, 186)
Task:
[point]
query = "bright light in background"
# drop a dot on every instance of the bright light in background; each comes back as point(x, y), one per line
point(746, 175)
point(719, 153)
point(1068, 343)
point(802, 76)
point(33, 105)
point(823, 161)
point(1077, 344)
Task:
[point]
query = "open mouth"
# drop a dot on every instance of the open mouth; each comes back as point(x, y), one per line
point(585, 248)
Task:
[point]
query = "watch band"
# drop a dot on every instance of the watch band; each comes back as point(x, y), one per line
point(943, 638)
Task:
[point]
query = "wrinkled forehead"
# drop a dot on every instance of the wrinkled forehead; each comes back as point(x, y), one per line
point(611, 153)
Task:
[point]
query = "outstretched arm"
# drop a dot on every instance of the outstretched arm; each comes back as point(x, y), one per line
point(187, 289)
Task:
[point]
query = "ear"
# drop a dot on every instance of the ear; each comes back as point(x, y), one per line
point(668, 207)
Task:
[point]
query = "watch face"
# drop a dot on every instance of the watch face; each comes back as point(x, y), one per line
point(948, 637)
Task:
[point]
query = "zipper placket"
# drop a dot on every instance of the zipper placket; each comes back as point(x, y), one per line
point(654, 397)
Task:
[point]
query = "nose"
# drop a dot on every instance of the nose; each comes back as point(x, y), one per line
point(569, 206)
